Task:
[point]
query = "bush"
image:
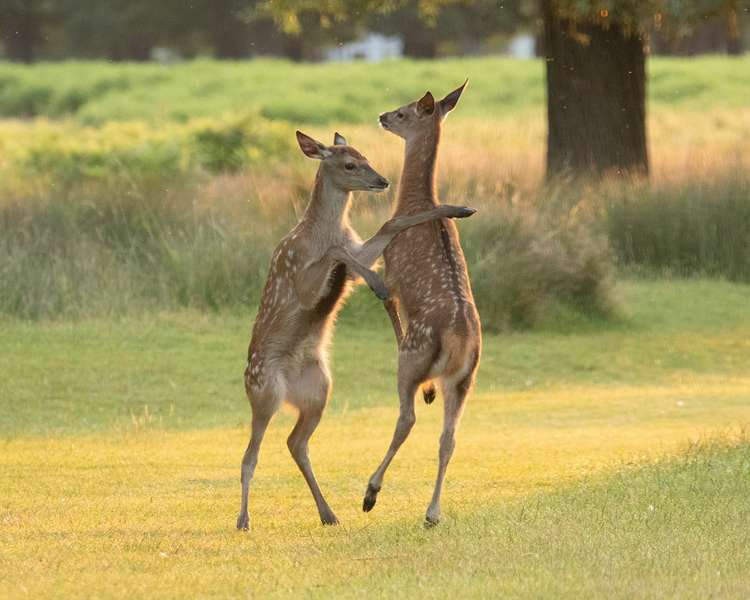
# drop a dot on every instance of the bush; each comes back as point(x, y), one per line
point(530, 267)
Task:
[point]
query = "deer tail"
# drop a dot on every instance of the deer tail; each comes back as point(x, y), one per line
point(428, 392)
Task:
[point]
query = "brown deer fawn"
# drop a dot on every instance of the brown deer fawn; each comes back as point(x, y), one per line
point(425, 273)
point(311, 272)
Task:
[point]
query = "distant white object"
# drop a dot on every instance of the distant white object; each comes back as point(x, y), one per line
point(522, 45)
point(165, 56)
point(374, 47)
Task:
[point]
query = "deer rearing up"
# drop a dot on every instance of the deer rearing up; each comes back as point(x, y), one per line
point(426, 275)
point(311, 271)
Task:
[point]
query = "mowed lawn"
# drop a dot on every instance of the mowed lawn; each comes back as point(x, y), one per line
point(573, 476)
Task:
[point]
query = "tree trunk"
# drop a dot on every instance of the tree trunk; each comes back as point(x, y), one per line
point(420, 40)
point(228, 33)
point(734, 33)
point(20, 31)
point(293, 48)
point(596, 105)
point(420, 45)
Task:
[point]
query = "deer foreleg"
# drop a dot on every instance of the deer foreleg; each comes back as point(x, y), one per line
point(391, 307)
point(371, 249)
point(311, 282)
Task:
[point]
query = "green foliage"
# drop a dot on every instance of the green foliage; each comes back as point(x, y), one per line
point(65, 153)
point(633, 14)
point(640, 14)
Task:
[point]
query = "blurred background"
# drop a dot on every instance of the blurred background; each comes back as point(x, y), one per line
point(139, 30)
point(147, 156)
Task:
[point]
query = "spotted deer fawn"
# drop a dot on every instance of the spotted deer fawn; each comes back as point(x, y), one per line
point(430, 293)
point(311, 273)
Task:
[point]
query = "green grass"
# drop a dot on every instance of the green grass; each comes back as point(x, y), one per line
point(97, 92)
point(183, 370)
point(122, 440)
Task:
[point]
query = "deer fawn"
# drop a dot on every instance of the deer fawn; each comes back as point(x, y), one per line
point(425, 272)
point(311, 272)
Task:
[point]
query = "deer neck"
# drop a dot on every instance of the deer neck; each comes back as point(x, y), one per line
point(327, 214)
point(417, 190)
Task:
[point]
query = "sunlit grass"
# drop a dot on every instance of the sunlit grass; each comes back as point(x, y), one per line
point(152, 513)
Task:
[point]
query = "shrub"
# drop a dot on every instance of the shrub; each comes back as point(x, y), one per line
point(528, 266)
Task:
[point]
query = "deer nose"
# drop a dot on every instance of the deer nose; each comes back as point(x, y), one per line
point(383, 182)
point(381, 118)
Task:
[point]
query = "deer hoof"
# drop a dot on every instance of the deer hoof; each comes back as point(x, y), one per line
point(370, 497)
point(464, 211)
point(329, 518)
point(243, 522)
point(380, 291)
point(430, 522)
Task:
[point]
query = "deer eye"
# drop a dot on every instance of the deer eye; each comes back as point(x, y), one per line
point(349, 166)
point(400, 115)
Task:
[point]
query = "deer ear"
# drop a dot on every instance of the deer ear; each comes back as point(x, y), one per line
point(312, 148)
point(448, 103)
point(339, 140)
point(426, 104)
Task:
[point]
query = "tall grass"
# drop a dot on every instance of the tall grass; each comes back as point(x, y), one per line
point(696, 227)
point(112, 250)
point(133, 237)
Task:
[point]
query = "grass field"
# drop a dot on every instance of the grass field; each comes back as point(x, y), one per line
point(100, 92)
point(122, 441)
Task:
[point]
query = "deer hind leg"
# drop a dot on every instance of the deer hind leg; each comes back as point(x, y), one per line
point(263, 409)
point(412, 370)
point(391, 307)
point(310, 396)
point(454, 394)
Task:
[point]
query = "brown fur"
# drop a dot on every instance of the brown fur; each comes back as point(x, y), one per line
point(426, 275)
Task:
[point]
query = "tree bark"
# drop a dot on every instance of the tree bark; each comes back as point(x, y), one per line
point(596, 97)
point(21, 31)
point(734, 32)
point(420, 44)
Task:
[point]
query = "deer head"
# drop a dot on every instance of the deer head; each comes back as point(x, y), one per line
point(418, 117)
point(346, 168)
